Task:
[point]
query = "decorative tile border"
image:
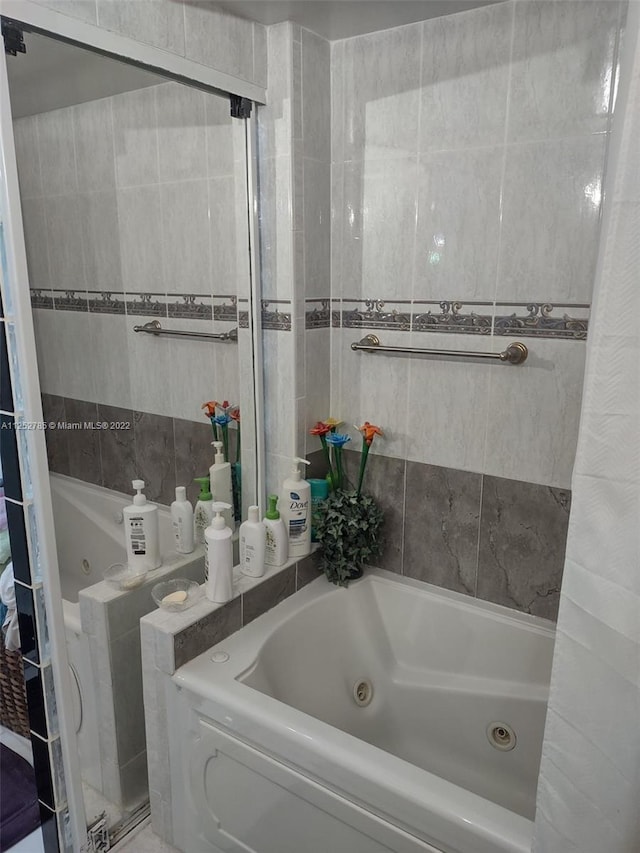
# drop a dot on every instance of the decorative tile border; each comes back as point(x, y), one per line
point(542, 320)
point(225, 308)
point(531, 319)
point(243, 319)
point(318, 317)
point(453, 318)
point(190, 306)
point(147, 304)
point(276, 320)
point(70, 300)
point(106, 303)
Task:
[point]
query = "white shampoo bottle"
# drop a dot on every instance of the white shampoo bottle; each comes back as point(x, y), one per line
point(141, 530)
point(182, 519)
point(219, 556)
point(295, 508)
point(220, 479)
point(253, 540)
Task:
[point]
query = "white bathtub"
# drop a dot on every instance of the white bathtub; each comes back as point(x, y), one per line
point(271, 753)
point(101, 623)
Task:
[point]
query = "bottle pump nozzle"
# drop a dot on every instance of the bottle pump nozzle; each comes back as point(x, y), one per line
point(219, 455)
point(295, 470)
point(138, 499)
point(218, 522)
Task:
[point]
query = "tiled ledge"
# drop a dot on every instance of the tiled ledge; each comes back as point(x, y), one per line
point(182, 635)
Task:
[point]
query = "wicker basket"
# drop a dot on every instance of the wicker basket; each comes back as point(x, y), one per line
point(13, 696)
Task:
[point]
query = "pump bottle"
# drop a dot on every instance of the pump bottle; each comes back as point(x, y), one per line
point(219, 556)
point(142, 532)
point(277, 546)
point(220, 478)
point(295, 508)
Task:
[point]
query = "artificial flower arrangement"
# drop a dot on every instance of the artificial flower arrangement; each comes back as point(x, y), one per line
point(348, 526)
point(221, 415)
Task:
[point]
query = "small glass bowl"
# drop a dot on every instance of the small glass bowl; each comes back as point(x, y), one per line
point(161, 590)
point(124, 577)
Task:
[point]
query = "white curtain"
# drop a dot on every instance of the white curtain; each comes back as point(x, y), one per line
point(589, 786)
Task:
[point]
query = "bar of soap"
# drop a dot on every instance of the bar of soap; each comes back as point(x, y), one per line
point(178, 597)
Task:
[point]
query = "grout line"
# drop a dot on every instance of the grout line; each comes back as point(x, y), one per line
point(404, 515)
point(480, 514)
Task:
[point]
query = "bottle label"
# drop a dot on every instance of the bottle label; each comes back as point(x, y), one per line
point(298, 519)
point(137, 539)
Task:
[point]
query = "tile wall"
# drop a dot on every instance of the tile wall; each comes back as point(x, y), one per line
point(467, 160)
point(468, 155)
point(199, 31)
point(134, 210)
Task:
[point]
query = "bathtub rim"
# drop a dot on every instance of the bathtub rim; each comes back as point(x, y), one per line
point(336, 759)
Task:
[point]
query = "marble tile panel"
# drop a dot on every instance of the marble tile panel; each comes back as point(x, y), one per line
point(379, 223)
point(141, 244)
point(126, 666)
point(385, 482)
point(551, 220)
point(465, 76)
point(73, 355)
point(442, 526)
point(35, 238)
point(109, 362)
point(57, 158)
point(317, 229)
point(155, 22)
point(447, 403)
point(93, 139)
point(64, 237)
point(307, 570)
point(135, 134)
point(533, 413)
point(456, 250)
point(523, 533)
point(25, 134)
point(316, 96)
point(337, 100)
point(57, 447)
point(562, 68)
point(220, 135)
point(206, 632)
point(266, 595)
point(193, 453)
point(83, 442)
point(84, 10)
point(101, 241)
point(155, 451)
point(182, 144)
point(117, 449)
point(185, 236)
point(219, 40)
point(381, 93)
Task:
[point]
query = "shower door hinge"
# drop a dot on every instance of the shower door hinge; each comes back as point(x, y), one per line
point(240, 107)
point(13, 38)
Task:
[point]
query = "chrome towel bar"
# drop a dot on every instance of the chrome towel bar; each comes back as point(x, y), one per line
point(515, 353)
point(153, 327)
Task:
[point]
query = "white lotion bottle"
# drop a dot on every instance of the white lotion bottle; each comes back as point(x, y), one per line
point(277, 544)
point(220, 479)
point(182, 519)
point(295, 508)
point(253, 541)
point(218, 558)
point(141, 530)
